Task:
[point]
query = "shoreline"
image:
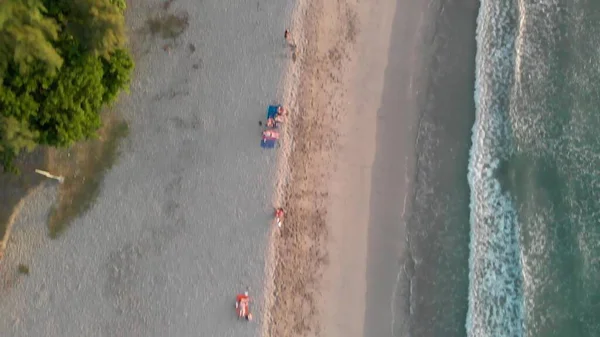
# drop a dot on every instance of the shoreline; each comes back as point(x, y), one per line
point(353, 185)
point(316, 267)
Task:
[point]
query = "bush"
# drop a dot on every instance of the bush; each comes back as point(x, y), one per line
point(61, 61)
point(23, 269)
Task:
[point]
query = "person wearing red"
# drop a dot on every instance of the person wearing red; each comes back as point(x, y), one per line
point(242, 306)
point(279, 214)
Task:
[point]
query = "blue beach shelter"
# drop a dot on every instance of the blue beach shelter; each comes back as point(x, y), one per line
point(272, 111)
point(267, 142)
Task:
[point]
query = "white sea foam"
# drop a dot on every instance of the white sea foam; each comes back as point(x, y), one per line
point(495, 294)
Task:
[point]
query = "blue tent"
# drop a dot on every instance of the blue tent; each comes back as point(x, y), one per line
point(269, 143)
point(272, 111)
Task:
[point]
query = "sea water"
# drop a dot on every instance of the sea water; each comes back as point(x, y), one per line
point(534, 170)
point(505, 224)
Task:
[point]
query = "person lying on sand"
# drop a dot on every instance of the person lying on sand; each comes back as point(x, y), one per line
point(271, 122)
point(242, 306)
point(281, 111)
point(280, 116)
point(279, 120)
point(271, 134)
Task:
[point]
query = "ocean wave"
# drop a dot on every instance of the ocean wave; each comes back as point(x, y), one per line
point(495, 276)
point(534, 169)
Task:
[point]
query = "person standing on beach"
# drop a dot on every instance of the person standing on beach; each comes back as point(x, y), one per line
point(279, 214)
point(290, 41)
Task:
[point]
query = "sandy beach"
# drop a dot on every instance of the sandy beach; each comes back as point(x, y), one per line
point(321, 282)
point(183, 220)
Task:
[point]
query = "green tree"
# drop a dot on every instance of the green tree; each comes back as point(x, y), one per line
point(70, 111)
point(117, 70)
point(15, 136)
point(52, 93)
point(27, 35)
point(98, 25)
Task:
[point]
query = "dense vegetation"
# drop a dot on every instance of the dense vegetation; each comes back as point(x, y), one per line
point(60, 62)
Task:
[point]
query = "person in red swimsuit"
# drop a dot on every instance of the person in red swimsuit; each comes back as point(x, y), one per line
point(242, 306)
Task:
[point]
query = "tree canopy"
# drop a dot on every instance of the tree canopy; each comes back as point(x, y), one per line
point(61, 61)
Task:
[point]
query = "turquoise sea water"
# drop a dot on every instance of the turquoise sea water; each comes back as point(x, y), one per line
point(534, 170)
point(505, 227)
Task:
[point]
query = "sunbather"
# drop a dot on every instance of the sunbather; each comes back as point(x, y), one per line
point(279, 119)
point(281, 111)
point(272, 134)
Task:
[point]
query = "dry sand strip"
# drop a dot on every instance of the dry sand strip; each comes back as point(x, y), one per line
point(324, 32)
